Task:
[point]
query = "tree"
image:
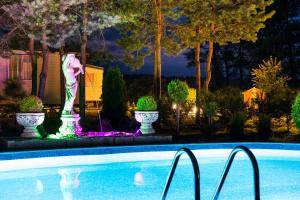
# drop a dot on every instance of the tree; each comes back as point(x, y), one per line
point(230, 22)
point(38, 18)
point(114, 97)
point(178, 92)
point(60, 20)
point(280, 38)
point(192, 33)
point(96, 15)
point(268, 76)
point(147, 34)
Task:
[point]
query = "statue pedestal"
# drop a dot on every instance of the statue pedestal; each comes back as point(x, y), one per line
point(70, 125)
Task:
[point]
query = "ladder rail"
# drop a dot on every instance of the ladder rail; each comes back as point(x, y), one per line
point(227, 168)
point(173, 169)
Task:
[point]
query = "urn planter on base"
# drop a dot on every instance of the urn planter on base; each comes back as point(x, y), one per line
point(146, 118)
point(146, 113)
point(30, 121)
point(30, 115)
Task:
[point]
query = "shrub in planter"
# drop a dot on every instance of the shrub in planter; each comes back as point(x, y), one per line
point(146, 114)
point(146, 103)
point(30, 116)
point(31, 104)
point(264, 126)
point(237, 124)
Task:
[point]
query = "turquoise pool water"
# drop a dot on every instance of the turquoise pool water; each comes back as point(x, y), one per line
point(137, 173)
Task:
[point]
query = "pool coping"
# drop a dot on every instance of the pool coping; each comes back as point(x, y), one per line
point(141, 148)
point(19, 144)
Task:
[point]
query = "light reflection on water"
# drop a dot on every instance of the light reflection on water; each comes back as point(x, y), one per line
point(69, 181)
point(280, 179)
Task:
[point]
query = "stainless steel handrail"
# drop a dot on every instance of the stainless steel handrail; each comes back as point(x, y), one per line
point(195, 169)
point(228, 165)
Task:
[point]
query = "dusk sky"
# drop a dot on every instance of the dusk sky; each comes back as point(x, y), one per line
point(171, 65)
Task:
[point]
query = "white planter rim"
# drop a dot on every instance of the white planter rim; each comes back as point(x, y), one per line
point(140, 111)
point(38, 114)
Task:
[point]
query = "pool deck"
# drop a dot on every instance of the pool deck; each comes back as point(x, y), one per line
point(17, 144)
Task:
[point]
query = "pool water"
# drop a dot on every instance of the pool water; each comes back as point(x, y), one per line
point(145, 179)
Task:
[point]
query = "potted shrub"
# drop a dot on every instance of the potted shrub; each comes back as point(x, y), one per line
point(146, 114)
point(30, 116)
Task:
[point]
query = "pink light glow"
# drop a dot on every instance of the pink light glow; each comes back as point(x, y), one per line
point(109, 134)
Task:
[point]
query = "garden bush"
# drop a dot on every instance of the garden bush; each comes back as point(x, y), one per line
point(209, 105)
point(31, 104)
point(166, 113)
point(13, 88)
point(264, 129)
point(114, 97)
point(296, 111)
point(146, 103)
point(230, 100)
point(237, 124)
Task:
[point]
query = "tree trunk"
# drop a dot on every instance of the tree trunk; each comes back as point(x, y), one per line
point(33, 59)
point(198, 79)
point(178, 119)
point(208, 65)
point(43, 75)
point(241, 70)
point(158, 8)
point(83, 62)
point(226, 64)
point(62, 80)
point(155, 71)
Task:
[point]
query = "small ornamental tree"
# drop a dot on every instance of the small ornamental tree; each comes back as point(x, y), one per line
point(114, 97)
point(178, 92)
point(296, 111)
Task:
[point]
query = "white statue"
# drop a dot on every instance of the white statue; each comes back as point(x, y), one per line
point(69, 66)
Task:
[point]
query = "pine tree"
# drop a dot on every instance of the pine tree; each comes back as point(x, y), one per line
point(147, 34)
point(228, 21)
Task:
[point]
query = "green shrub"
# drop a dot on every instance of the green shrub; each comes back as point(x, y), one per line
point(178, 91)
point(264, 126)
point(230, 100)
point(296, 111)
point(114, 97)
point(146, 103)
point(237, 124)
point(31, 104)
point(13, 88)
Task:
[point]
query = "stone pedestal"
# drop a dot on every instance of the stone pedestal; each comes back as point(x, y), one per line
point(70, 125)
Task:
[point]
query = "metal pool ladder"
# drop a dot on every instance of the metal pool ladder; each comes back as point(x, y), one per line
point(224, 175)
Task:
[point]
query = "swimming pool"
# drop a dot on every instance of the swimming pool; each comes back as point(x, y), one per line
point(140, 172)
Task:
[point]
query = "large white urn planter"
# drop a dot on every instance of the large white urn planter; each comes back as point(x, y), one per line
point(146, 118)
point(30, 121)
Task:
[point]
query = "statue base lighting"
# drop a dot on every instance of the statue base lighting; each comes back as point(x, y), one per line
point(70, 125)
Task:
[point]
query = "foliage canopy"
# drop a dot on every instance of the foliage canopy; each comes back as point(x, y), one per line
point(146, 103)
point(178, 91)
